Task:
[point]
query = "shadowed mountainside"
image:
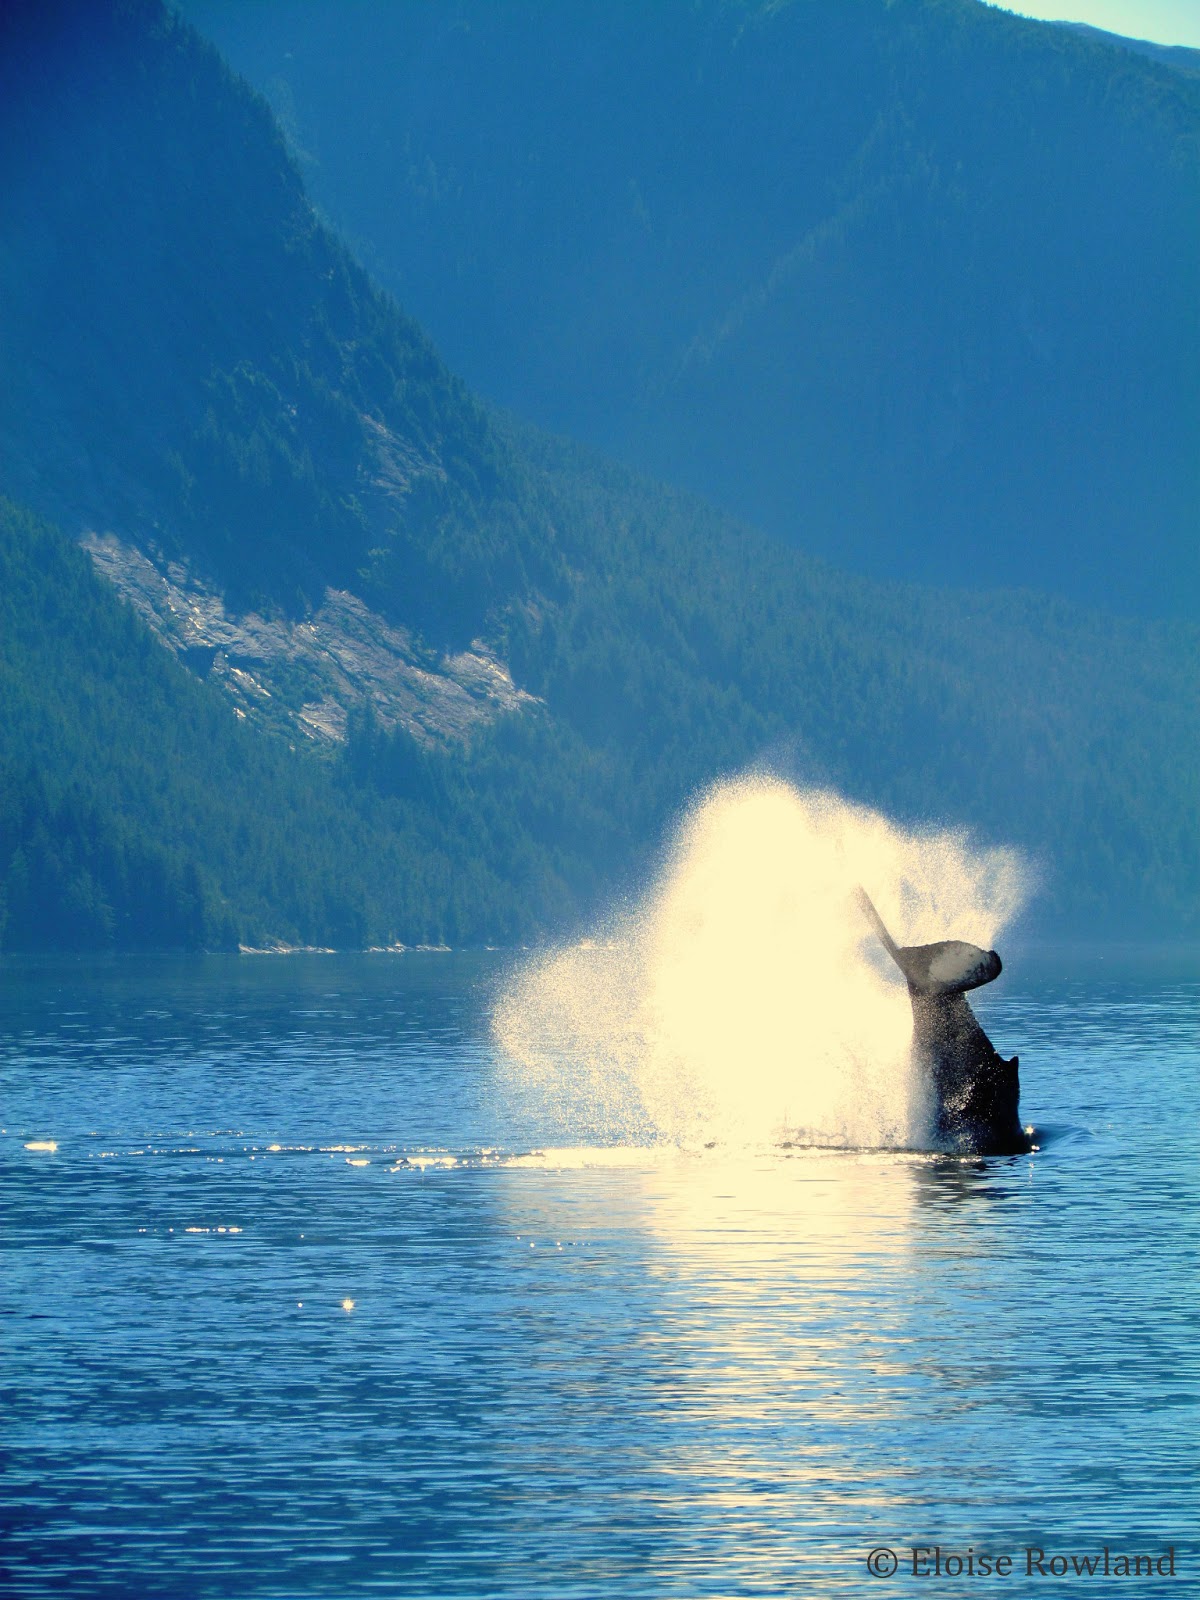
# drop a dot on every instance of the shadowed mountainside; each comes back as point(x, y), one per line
point(909, 283)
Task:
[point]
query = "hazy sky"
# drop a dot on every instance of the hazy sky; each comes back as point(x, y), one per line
point(1167, 21)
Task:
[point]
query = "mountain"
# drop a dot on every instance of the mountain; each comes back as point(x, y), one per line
point(302, 634)
point(189, 352)
point(908, 283)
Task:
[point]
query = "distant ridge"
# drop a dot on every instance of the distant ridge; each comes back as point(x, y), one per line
point(1182, 57)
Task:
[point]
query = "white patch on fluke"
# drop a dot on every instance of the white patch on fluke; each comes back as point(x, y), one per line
point(744, 999)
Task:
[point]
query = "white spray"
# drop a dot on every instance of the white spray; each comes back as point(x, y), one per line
point(744, 999)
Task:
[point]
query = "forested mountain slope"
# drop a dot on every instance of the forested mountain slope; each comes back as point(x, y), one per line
point(197, 372)
point(1183, 58)
point(139, 812)
point(910, 283)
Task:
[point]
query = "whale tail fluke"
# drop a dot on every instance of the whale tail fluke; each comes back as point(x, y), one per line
point(949, 967)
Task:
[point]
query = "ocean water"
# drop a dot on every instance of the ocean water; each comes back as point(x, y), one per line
point(306, 1292)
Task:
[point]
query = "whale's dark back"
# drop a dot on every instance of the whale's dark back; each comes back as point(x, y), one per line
point(976, 1091)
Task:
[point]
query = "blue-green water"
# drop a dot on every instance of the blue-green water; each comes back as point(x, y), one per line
point(296, 1307)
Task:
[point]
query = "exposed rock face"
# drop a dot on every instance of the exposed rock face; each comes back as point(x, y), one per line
point(308, 675)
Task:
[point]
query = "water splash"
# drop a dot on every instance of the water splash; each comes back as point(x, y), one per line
point(743, 999)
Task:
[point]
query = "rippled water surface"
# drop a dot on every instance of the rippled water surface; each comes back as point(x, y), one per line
point(310, 1297)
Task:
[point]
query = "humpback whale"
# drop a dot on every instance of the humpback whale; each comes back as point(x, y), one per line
point(975, 1090)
